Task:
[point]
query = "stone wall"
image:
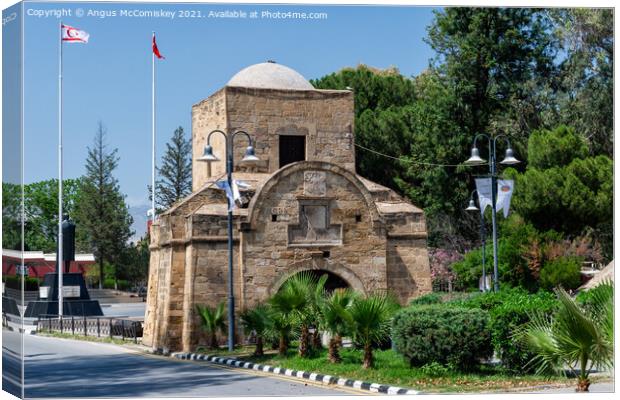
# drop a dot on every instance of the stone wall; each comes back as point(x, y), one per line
point(358, 256)
point(208, 115)
point(325, 117)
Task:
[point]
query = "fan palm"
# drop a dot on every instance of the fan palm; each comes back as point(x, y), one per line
point(298, 292)
point(334, 319)
point(576, 336)
point(256, 320)
point(212, 321)
point(369, 319)
point(280, 319)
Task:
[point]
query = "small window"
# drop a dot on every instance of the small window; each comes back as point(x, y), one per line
point(358, 218)
point(326, 254)
point(292, 149)
point(274, 217)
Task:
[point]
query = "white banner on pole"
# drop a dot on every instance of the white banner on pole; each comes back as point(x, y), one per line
point(483, 187)
point(504, 194)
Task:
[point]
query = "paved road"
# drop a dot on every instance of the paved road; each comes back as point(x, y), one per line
point(124, 310)
point(70, 368)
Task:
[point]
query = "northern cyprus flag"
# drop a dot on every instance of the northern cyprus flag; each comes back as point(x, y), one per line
point(71, 34)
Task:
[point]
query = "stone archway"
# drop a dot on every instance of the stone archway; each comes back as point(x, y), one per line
point(336, 272)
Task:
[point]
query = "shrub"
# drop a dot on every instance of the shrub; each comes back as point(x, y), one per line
point(430, 298)
point(508, 309)
point(506, 317)
point(434, 370)
point(563, 271)
point(15, 282)
point(443, 334)
point(108, 283)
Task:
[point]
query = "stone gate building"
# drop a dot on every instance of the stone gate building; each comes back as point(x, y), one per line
point(305, 208)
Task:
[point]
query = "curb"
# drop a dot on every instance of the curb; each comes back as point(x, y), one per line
point(327, 379)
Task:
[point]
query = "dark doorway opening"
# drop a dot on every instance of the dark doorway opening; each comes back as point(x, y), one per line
point(333, 281)
point(292, 149)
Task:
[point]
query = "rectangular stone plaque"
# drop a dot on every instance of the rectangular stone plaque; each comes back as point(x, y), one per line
point(314, 183)
point(71, 291)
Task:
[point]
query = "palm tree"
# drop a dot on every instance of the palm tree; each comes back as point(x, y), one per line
point(580, 337)
point(257, 320)
point(212, 321)
point(298, 293)
point(280, 322)
point(334, 319)
point(369, 320)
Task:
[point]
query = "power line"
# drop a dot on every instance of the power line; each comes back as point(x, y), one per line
point(407, 161)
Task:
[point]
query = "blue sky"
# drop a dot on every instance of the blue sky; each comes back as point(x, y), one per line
point(109, 79)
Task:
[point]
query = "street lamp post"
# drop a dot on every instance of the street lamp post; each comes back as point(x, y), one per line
point(509, 159)
point(483, 237)
point(249, 157)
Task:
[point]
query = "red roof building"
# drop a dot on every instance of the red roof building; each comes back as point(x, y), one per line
point(38, 263)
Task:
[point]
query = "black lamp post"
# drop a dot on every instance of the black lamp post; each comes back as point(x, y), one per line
point(249, 157)
point(509, 159)
point(483, 238)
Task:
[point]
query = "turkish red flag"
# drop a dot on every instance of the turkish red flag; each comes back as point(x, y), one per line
point(156, 50)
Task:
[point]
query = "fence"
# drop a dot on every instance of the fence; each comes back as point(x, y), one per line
point(113, 328)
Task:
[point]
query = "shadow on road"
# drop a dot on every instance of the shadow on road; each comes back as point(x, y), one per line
point(120, 375)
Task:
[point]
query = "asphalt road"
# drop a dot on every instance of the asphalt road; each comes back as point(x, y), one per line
point(71, 368)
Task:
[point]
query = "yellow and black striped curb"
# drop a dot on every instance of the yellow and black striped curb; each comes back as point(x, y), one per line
point(327, 379)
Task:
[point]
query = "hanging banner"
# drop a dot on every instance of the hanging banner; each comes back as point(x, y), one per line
point(483, 187)
point(504, 194)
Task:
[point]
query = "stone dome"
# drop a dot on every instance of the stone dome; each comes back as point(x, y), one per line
point(270, 75)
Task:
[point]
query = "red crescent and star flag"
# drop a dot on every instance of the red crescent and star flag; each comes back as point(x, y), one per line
point(156, 50)
point(71, 34)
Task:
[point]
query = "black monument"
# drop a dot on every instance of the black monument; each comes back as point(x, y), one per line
point(75, 301)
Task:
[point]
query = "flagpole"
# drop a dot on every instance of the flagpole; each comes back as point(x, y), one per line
point(60, 241)
point(153, 132)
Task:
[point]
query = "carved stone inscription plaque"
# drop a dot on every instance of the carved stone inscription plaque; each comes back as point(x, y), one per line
point(314, 183)
point(314, 226)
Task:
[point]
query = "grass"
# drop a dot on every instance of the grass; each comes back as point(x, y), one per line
point(392, 369)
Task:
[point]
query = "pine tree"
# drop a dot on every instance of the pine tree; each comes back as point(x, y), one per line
point(175, 172)
point(102, 210)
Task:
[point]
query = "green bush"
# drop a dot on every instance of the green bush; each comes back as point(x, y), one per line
point(430, 298)
point(444, 334)
point(108, 283)
point(434, 370)
point(563, 271)
point(506, 317)
point(508, 309)
point(15, 282)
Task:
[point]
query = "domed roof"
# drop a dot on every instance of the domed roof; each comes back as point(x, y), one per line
point(270, 75)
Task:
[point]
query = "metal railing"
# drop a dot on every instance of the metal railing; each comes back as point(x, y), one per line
point(110, 327)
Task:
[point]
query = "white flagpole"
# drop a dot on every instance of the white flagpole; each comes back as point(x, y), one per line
point(60, 244)
point(153, 132)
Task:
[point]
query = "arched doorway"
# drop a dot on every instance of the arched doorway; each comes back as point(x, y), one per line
point(333, 281)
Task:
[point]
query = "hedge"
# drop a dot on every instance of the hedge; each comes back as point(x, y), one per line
point(508, 309)
point(454, 337)
point(14, 282)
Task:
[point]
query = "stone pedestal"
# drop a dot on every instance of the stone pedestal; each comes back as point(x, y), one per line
point(76, 300)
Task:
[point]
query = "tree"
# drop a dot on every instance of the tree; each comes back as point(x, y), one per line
point(213, 320)
point(41, 213)
point(585, 98)
point(134, 262)
point(102, 210)
point(256, 320)
point(295, 298)
point(564, 188)
point(11, 216)
point(486, 55)
point(576, 336)
point(175, 172)
point(334, 319)
point(280, 322)
point(369, 321)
